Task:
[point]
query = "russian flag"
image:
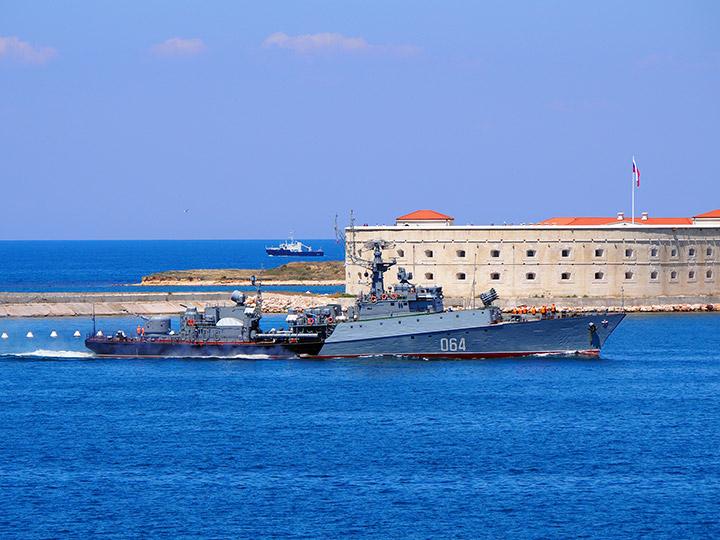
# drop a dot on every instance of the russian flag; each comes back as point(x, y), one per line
point(636, 172)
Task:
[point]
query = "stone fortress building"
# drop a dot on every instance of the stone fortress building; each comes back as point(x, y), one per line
point(556, 258)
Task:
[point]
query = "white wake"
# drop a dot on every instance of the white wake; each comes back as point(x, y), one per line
point(46, 353)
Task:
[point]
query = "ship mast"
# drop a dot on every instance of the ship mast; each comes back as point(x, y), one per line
point(379, 267)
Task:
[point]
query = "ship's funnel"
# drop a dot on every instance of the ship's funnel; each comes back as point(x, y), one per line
point(488, 297)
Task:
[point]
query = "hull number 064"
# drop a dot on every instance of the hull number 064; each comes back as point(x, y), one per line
point(452, 344)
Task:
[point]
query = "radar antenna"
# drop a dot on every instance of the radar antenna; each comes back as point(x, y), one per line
point(377, 266)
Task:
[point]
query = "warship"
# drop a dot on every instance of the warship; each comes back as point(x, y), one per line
point(410, 320)
point(401, 320)
point(219, 331)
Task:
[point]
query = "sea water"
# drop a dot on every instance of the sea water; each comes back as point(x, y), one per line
point(621, 446)
point(95, 265)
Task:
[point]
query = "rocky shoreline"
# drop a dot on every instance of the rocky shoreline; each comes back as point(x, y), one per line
point(302, 273)
point(19, 305)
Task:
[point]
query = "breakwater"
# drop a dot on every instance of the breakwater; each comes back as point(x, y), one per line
point(170, 303)
point(14, 304)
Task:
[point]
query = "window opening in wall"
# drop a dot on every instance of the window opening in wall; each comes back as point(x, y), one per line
point(429, 275)
point(565, 275)
point(460, 275)
point(428, 252)
point(530, 275)
point(598, 275)
point(673, 252)
point(708, 274)
point(628, 252)
point(495, 253)
point(461, 253)
point(628, 275)
point(653, 275)
point(673, 275)
point(565, 253)
point(653, 252)
point(599, 252)
point(495, 276)
point(530, 253)
point(691, 252)
point(708, 252)
point(691, 274)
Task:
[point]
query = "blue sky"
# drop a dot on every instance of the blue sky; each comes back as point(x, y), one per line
point(259, 118)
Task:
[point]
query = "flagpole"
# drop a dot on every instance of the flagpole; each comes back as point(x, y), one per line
point(633, 194)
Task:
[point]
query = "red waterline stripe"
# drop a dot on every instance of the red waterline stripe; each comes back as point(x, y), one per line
point(593, 352)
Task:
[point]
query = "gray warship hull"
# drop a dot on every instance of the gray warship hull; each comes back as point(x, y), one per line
point(470, 334)
point(175, 348)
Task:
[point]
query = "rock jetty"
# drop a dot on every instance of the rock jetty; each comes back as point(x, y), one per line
point(173, 303)
point(117, 304)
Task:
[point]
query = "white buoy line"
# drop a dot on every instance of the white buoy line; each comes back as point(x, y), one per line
point(53, 334)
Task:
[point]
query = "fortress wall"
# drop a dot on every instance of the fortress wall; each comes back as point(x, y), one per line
point(549, 261)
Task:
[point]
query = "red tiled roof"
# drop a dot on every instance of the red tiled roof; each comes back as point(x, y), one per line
point(424, 214)
point(610, 220)
point(713, 214)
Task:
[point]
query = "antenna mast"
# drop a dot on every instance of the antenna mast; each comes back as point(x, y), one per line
point(472, 289)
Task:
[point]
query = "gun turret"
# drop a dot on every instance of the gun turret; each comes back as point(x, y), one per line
point(488, 297)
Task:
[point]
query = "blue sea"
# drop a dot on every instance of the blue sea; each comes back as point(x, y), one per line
point(101, 266)
point(621, 446)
